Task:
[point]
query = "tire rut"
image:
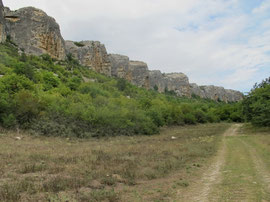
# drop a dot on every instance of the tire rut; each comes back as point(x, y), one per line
point(213, 176)
point(260, 167)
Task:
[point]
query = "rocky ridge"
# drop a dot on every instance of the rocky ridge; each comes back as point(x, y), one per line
point(37, 33)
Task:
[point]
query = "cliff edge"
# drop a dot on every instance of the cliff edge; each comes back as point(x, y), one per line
point(34, 32)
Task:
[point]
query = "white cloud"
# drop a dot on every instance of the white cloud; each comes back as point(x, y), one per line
point(212, 41)
point(262, 8)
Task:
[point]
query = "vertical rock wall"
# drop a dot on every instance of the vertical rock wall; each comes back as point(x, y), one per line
point(135, 72)
point(177, 82)
point(216, 93)
point(91, 54)
point(35, 32)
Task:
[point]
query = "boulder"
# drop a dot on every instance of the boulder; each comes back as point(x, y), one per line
point(35, 32)
point(2, 23)
point(177, 82)
point(91, 54)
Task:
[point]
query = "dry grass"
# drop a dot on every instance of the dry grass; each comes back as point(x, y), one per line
point(56, 169)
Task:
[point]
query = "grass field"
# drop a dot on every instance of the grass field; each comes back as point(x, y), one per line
point(245, 175)
point(144, 168)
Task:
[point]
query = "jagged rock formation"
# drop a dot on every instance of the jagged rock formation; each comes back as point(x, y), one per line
point(91, 54)
point(177, 82)
point(216, 93)
point(35, 32)
point(2, 23)
point(135, 72)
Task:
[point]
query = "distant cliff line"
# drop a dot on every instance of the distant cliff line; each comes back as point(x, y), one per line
point(37, 33)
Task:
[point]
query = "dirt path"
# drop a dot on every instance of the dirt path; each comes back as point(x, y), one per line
point(237, 173)
point(202, 189)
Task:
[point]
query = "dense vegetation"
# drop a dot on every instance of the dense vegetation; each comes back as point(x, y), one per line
point(62, 98)
point(256, 105)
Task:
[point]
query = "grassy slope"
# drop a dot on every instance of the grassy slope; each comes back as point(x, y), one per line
point(138, 168)
point(62, 98)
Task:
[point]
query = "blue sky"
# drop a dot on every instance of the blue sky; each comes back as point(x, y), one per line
point(220, 42)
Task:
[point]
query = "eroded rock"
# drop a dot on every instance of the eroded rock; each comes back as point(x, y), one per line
point(35, 32)
point(177, 82)
point(138, 74)
point(91, 54)
point(119, 64)
point(135, 72)
point(216, 93)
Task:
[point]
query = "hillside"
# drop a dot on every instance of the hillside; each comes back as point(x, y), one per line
point(34, 32)
point(51, 97)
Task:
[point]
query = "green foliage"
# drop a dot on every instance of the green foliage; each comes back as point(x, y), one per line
point(62, 98)
point(256, 105)
point(79, 44)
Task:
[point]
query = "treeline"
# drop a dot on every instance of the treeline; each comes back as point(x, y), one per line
point(62, 98)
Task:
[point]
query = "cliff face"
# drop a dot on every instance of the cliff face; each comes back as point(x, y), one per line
point(2, 23)
point(216, 93)
point(37, 33)
point(120, 65)
point(177, 82)
point(91, 54)
point(135, 72)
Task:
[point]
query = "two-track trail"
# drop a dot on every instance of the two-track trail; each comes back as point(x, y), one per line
point(236, 173)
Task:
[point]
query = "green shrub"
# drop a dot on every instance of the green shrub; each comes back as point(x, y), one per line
point(50, 98)
point(256, 105)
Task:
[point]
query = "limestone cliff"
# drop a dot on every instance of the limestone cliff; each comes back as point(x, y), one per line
point(135, 72)
point(91, 54)
point(177, 82)
point(216, 93)
point(35, 32)
point(119, 64)
point(138, 74)
point(2, 23)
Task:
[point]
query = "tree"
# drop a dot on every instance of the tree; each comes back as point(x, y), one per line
point(256, 105)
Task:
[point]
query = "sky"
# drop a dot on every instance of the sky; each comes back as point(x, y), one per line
point(214, 42)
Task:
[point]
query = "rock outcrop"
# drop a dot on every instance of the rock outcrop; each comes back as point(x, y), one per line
point(91, 54)
point(177, 82)
point(138, 74)
point(135, 72)
point(120, 65)
point(35, 32)
point(216, 93)
point(2, 23)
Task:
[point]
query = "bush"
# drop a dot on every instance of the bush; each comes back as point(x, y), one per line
point(256, 105)
point(52, 100)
